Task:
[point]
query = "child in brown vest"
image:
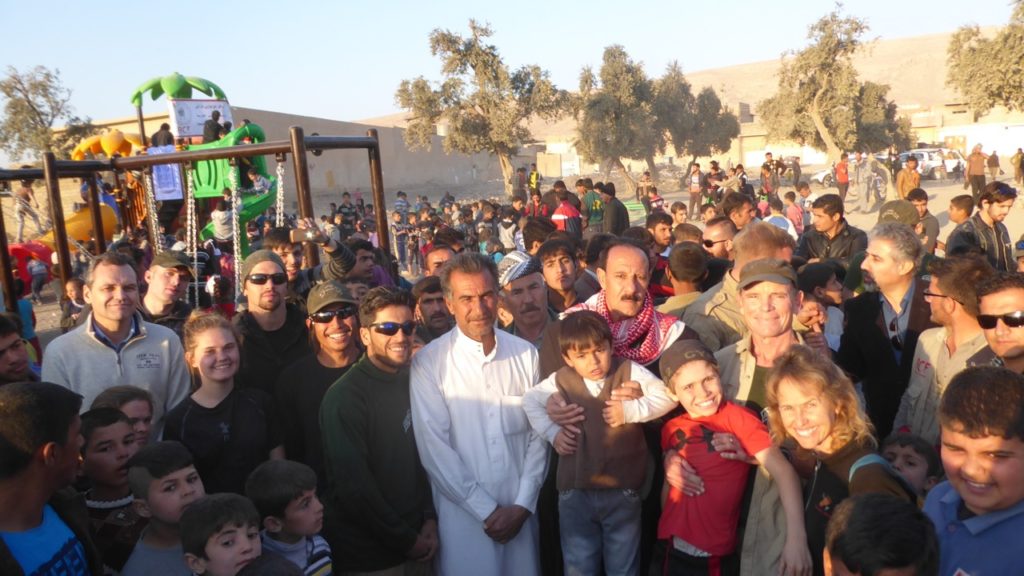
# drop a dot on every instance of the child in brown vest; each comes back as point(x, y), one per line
point(602, 462)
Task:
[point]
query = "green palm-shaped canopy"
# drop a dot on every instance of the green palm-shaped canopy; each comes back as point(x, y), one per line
point(176, 86)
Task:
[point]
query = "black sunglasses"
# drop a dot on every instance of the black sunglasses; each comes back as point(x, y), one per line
point(897, 339)
point(711, 243)
point(277, 278)
point(1012, 320)
point(392, 328)
point(325, 316)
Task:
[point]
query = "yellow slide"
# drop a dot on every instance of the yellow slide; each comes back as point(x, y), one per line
point(79, 226)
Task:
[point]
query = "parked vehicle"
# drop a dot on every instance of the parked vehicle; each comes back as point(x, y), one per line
point(825, 178)
point(934, 163)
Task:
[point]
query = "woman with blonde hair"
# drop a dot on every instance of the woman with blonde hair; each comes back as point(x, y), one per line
point(814, 404)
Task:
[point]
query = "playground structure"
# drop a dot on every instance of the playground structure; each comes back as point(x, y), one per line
point(217, 159)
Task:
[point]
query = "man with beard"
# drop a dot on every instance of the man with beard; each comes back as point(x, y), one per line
point(114, 346)
point(986, 229)
point(432, 317)
point(485, 464)
point(14, 361)
point(333, 325)
point(524, 295)
point(273, 331)
point(884, 323)
point(301, 280)
point(558, 265)
point(378, 511)
point(1001, 317)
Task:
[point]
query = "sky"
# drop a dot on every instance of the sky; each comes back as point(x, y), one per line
point(343, 59)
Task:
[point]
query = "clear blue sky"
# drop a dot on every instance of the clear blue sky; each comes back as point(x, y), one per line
point(319, 58)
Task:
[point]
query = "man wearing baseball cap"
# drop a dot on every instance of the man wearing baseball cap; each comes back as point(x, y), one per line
point(168, 278)
point(273, 331)
point(333, 322)
point(525, 295)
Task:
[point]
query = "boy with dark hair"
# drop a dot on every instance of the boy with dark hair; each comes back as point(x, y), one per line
point(687, 269)
point(566, 217)
point(679, 213)
point(879, 535)
point(831, 237)
point(44, 528)
point(109, 443)
point(284, 493)
point(558, 266)
point(986, 228)
point(915, 459)
point(979, 511)
point(135, 403)
point(220, 534)
point(929, 232)
point(794, 211)
point(535, 232)
point(164, 482)
point(602, 462)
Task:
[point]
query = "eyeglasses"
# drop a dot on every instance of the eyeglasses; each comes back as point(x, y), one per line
point(392, 328)
point(277, 278)
point(325, 316)
point(711, 243)
point(928, 294)
point(897, 338)
point(1012, 320)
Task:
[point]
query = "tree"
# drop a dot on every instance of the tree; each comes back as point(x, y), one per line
point(484, 104)
point(822, 102)
point(35, 102)
point(714, 129)
point(673, 110)
point(614, 118)
point(987, 71)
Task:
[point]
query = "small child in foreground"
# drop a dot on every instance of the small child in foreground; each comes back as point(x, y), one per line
point(915, 460)
point(699, 533)
point(284, 493)
point(134, 402)
point(880, 534)
point(220, 534)
point(601, 466)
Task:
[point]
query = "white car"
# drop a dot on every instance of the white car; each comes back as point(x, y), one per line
point(935, 163)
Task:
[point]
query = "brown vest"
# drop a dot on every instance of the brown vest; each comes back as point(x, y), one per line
point(605, 457)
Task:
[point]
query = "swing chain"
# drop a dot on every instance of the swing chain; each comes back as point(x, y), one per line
point(280, 191)
point(191, 232)
point(154, 227)
point(236, 237)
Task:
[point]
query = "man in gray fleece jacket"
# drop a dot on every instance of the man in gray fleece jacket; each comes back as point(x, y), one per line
point(115, 346)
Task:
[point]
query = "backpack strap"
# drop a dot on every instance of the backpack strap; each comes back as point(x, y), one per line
point(874, 458)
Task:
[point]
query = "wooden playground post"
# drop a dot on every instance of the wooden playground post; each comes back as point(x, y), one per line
point(301, 167)
point(60, 233)
point(97, 218)
point(7, 276)
point(380, 212)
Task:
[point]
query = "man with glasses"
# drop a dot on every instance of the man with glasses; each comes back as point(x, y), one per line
point(333, 325)
point(883, 324)
point(379, 515)
point(718, 235)
point(1001, 316)
point(14, 362)
point(986, 229)
point(273, 331)
point(944, 351)
point(485, 463)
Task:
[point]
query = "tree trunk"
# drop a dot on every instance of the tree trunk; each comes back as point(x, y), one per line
point(831, 149)
point(630, 183)
point(652, 168)
point(507, 172)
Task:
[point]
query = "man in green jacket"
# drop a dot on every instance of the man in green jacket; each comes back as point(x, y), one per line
point(378, 512)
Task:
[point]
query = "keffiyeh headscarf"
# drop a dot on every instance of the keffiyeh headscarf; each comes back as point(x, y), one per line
point(639, 338)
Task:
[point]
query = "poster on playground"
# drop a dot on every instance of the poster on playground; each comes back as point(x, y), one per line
point(166, 177)
point(188, 116)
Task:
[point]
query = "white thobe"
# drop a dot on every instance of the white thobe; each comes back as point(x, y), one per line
point(478, 448)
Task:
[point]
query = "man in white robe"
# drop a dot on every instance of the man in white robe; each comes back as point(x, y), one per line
point(485, 463)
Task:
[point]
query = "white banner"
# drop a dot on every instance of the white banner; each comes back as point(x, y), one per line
point(166, 177)
point(188, 116)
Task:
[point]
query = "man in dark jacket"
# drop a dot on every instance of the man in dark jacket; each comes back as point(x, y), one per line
point(882, 326)
point(616, 217)
point(832, 237)
point(986, 230)
point(273, 332)
point(44, 529)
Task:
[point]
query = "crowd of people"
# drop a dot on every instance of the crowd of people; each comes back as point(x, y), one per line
point(536, 387)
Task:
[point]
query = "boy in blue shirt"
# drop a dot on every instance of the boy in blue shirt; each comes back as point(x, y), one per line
point(979, 511)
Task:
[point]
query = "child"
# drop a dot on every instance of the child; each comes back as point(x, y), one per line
point(776, 216)
point(71, 307)
point(135, 403)
point(877, 534)
point(164, 482)
point(602, 467)
point(657, 202)
point(220, 534)
point(229, 430)
point(806, 200)
point(979, 510)
point(915, 460)
point(793, 211)
point(679, 215)
point(700, 532)
point(109, 443)
point(708, 213)
point(284, 493)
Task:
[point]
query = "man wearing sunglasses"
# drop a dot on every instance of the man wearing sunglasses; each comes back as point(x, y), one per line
point(883, 324)
point(273, 331)
point(1001, 316)
point(944, 351)
point(718, 236)
point(379, 512)
point(333, 325)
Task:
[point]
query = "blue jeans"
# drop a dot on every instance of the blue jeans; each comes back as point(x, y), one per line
point(600, 525)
